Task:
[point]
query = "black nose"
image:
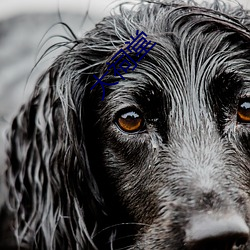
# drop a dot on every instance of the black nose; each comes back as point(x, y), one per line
point(217, 232)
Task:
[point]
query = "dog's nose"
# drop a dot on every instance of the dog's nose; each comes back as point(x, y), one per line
point(217, 232)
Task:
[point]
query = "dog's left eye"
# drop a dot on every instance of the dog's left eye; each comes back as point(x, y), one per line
point(130, 121)
point(243, 113)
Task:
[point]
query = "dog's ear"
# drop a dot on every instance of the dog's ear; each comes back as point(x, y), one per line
point(51, 187)
point(54, 198)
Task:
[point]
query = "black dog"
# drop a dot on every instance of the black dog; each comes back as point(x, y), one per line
point(162, 162)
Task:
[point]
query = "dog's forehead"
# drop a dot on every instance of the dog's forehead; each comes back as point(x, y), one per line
point(190, 56)
point(189, 67)
point(198, 54)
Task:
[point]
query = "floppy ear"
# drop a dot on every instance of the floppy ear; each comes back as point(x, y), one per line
point(51, 186)
point(54, 198)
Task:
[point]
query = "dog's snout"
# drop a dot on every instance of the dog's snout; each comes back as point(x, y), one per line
point(217, 232)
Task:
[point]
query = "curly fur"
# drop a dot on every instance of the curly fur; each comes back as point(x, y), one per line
point(76, 181)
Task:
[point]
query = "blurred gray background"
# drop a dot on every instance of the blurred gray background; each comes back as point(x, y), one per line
point(23, 23)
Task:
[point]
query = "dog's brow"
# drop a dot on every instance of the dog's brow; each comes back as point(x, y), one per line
point(119, 64)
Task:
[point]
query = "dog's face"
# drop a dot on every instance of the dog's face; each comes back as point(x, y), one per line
point(174, 137)
point(162, 162)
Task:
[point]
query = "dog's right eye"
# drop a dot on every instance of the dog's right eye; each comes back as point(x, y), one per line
point(243, 113)
point(130, 121)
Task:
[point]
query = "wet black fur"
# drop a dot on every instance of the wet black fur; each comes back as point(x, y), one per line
point(76, 181)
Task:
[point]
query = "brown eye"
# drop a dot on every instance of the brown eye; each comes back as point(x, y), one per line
point(243, 113)
point(130, 121)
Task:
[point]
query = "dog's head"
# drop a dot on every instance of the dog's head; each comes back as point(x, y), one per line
point(162, 162)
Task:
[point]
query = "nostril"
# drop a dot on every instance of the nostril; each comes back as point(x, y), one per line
point(241, 241)
point(217, 232)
